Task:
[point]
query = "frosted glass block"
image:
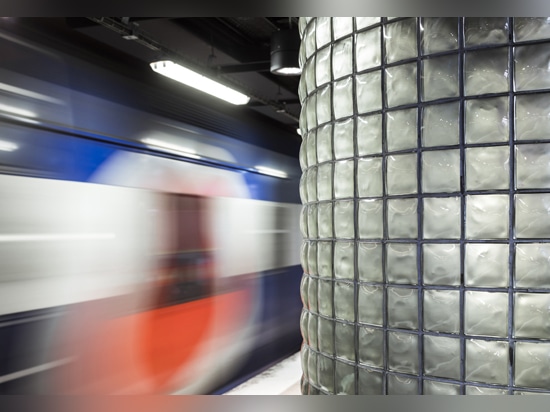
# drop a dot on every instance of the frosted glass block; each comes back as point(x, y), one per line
point(325, 298)
point(487, 120)
point(487, 361)
point(487, 168)
point(323, 105)
point(368, 49)
point(323, 33)
point(304, 287)
point(532, 365)
point(370, 382)
point(441, 218)
point(403, 352)
point(311, 111)
point(345, 341)
point(303, 117)
point(442, 311)
point(369, 135)
point(344, 219)
point(402, 308)
point(303, 221)
point(401, 130)
point(532, 216)
point(532, 315)
point(532, 117)
point(309, 75)
point(309, 39)
point(401, 385)
point(439, 34)
point(311, 144)
point(371, 220)
point(402, 218)
point(342, 53)
point(342, 26)
point(344, 260)
point(312, 258)
point(304, 320)
point(324, 182)
point(343, 139)
point(343, 98)
point(533, 166)
point(326, 336)
point(345, 379)
point(324, 143)
point(325, 220)
point(440, 388)
point(440, 78)
point(344, 302)
point(369, 177)
point(302, 89)
point(312, 229)
point(362, 22)
point(531, 28)
point(324, 259)
point(303, 156)
point(401, 174)
point(322, 66)
point(369, 92)
point(400, 40)
point(304, 256)
point(530, 393)
point(487, 217)
point(440, 125)
point(486, 265)
point(532, 265)
point(441, 264)
point(370, 304)
point(485, 30)
point(486, 71)
point(369, 261)
point(481, 390)
point(531, 67)
point(326, 373)
point(302, 23)
point(312, 292)
point(312, 331)
point(486, 313)
point(441, 171)
point(371, 347)
point(401, 263)
point(343, 178)
point(312, 371)
point(401, 85)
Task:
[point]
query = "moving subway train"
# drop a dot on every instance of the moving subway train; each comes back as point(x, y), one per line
point(138, 254)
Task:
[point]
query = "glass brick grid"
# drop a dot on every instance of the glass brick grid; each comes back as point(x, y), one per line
point(426, 217)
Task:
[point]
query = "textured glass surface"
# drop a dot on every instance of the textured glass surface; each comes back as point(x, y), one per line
point(403, 308)
point(401, 174)
point(402, 218)
point(344, 260)
point(345, 379)
point(401, 263)
point(400, 40)
point(531, 365)
point(440, 388)
point(368, 51)
point(532, 266)
point(325, 298)
point(441, 218)
point(439, 34)
point(323, 104)
point(324, 182)
point(533, 166)
point(370, 219)
point(326, 333)
point(532, 117)
point(441, 264)
point(324, 144)
point(369, 135)
point(442, 311)
point(342, 53)
point(533, 216)
point(440, 78)
point(369, 260)
point(482, 390)
point(343, 139)
point(485, 30)
point(487, 216)
point(441, 171)
point(486, 313)
point(343, 219)
point(486, 71)
point(370, 382)
point(486, 265)
point(324, 220)
point(369, 92)
point(343, 98)
point(532, 315)
point(487, 361)
point(402, 385)
point(444, 360)
point(371, 347)
point(343, 178)
point(487, 168)
point(324, 259)
point(341, 26)
point(401, 85)
point(369, 177)
point(532, 67)
point(531, 28)
point(401, 130)
point(403, 352)
point(322, 66)
point(345, 341)
point(440, 125)
point(487, 120)
point(370, 302)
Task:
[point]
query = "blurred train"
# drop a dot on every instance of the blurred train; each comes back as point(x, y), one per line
point(138, 254)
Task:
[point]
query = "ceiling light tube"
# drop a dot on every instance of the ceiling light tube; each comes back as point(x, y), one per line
point(6, 146)
point(271, 172)
point(170, 147)
point(198, 81)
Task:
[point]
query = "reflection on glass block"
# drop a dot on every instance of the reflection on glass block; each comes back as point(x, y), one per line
point(312, 331)
point(403, 308)
point(342, 54)
point(344, 302)
point(343, 179)
point(325, 298)
point(401, 130)
point(323, 33)
point(303, 156)
point(343, 219)
point(309, 76)
point(324, 182)
point(442, 310)
point(362, 22)
point(345, 379)
point(371, 347)
point(369, 177)
point(367, 49)
point(369, 92)
point(303, 115)
point(487, 120)
point(440, 388)
point(532, 117)
point(440, 125)
point(487, 168)
point(311, 143)
point(532, 368)
point(303, 221)
point(533, 166)
point(531, 315)
point(304, 320)
point(400, 40)
point(487, 361)
point(344, 266)
point(369, 135)
point(324, 259)
point(481, 390)
point(370, 382)
point(401, 263)
point(370, 219)
point(401, 85)
point(304, 256)
point(485, 30)
point(370, 304)
point(323, 105)
point(326, 373)
point(343, 139)
point(326, 336)
point(311, 111)
point(441, 218)
point(324, 143)
point(486, 265)
point(401, 174)
point(341, 26)
point(440, 78)
point(343, 98)
point(309, 39)
point(486, 71)
point(312, 292)
point(530, 393)
point(403, 352)
point(531, 28)
point(532, 268)
point(487, 217)
point(401, 385)
point(369, 261)
point(345, 341)
point(486, 313)
point(532, 215)
point(312, 218)
point(531, 67)
point(402, 218)
point(439, 34)
point(313, 367)
point(441, 171)
point(441, 264)
point(324, 222)
point(322, 66)
point(312, 258)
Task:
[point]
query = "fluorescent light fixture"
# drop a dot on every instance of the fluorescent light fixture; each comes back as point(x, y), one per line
point(16, 111)
point(6, 146)
point(170, 147)
point(198, 81)
point(271, 172)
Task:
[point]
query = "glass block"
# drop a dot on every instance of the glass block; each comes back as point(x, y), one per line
point(371, 347)
point(532, 117)
point(440, 388)
point(367, 50)
point(324, 220)
point(303, 221)
point(441, 264)
point(532, 366)
point(312, 331)
point(342, 53)
point(345, 379)
point(304, 256)
point(369, 135)
point(342, 26)
point(343, 139)
point(312, 370)
point(345, 341)
point(401, 174)
point(324, 143)
point(441, 218)
point(371, 219)
point(304, 359)
point(485, 30)
point(481, 390)
point(344, 219)
point(486, 120)
point(326, 336)
point(324, 182)
point(401, 130)
point(486, 265)
point(303, 155)
point(487, 217)
point(533, 166)
point(312, 293)
point(343, 178)
point(369, 92)
point(325, 298)
point(532, 265)
point(324, 105)
point(440, 125)
point(401, 85)
point(312, 229)
point(344, 260)
point(402, 385)
point(400, 40)
point(303, 116)
point(440, 78)
point(402, 308)
point(369, 261)
point(531, 315)
point(326, 373)
point(370, 382)
point(362, 22)
point(441, 357)
point(531, 28)
point(311, 144)
point(311, 183)
point(322, 66)
point(439, 34)
point(401, 263)
point(486, 71)
point(304, 320)
point(369, 177)
point(442, 310)
point(402, 218)
point(344, 302)
point(323, 32)
point(441, 171)
point(531, 67)
point(309, 75)
point(487, 361)
point(532, 215)
point(403, 352)
point(486, 313)
point(309, 39)
point(312, 258)
point(370, 304)
point(324, 259)
point(487, 168)
point(342, 102)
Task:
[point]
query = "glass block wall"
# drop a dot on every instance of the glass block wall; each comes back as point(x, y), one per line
point(426, 217)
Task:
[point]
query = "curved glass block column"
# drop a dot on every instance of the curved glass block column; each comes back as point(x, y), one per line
point(426, 217)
